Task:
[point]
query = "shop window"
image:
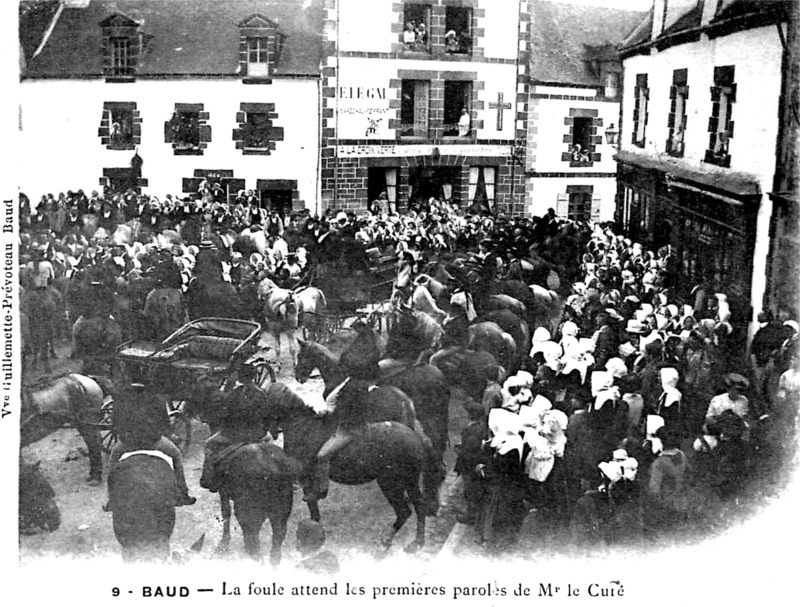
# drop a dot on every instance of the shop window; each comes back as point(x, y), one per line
point(120, 126)
point(482, 187)
point(676, 121)
point(640, 114)
point(414, 108)
point(457, 121)
point(416, 27)
point(187, 130)
point(720, 125)
point(380, 179)
point(458, 30)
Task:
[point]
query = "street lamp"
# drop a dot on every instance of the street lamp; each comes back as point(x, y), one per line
point(612, 135)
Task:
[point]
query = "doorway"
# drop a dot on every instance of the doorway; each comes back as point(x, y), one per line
point(279, 201)
point(437, 182)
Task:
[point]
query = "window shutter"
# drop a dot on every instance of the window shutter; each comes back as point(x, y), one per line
point(421, 93)
point(205, 133)
point(562, 205)
point(595, 207)
point(168, 132)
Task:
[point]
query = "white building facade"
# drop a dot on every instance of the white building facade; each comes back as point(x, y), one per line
point(575, 93)
point(702, 83)
point(215, 91)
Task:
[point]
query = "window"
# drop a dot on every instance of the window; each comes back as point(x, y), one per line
point(258, 57)
point(380, 179)
point(640, 115)
point(611, 88)
point(676, 121)
point(256, 131)
point(458, 30)
point(457, 121)
point(415, 96)
point(120, 132)
point(582, 137)
point(123, 44)
point(481, 187)
point(416, 25)
point(257, 134)
point(120, 125)
point(187, 130)
point(580, 206)
point(720, 125)
point(120, 57)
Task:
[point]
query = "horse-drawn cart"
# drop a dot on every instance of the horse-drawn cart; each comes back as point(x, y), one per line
point(350, 294)
point(207, 349)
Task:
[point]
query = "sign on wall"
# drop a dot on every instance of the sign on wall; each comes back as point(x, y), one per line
point(364, 111)
point(423, 150)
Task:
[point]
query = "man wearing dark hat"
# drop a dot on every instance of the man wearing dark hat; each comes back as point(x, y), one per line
point(141, 422)
point(766, 344)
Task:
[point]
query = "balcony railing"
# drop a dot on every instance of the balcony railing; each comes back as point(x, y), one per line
point(414, 129)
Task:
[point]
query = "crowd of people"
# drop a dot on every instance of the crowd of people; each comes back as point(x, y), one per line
point(635, 399)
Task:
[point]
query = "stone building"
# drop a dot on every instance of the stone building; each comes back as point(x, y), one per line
point(424, 98)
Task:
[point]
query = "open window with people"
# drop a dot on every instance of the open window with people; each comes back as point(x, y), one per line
point(458, 30)
point(457, 120)
point(416, 25)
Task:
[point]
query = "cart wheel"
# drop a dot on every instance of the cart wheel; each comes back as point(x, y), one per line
point(107, 435)
point(181, 427)
point(264, 373)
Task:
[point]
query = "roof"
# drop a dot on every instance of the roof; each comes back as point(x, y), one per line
point(561, 33)
point(186, 37)
point(687, 18)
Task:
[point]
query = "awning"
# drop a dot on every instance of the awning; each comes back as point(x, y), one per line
point(730, 183)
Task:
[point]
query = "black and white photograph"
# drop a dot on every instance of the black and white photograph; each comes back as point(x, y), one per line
point(451, 301)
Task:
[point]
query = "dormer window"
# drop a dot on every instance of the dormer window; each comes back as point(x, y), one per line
point(260, 45)
point(122, 47)
point(257, 57)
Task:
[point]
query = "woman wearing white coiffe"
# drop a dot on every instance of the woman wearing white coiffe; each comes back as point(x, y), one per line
point(503, 510)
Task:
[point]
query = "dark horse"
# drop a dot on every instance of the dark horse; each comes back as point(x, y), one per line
point(37, 504)
point(414, 395)
point(424, 384)
point(259, 479)
point(73, 399)
point(143, 495)
point(389, 452)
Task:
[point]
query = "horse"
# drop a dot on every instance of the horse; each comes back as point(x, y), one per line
point(469, 370)
point(311, 305)
point(517, 328)
point(96, 340)
point(37, 504)
point(412, 332)
point(423, 384)
point(490, 337)
point(73, 399)
point(258, 479)
point(142, 496)
point(423, 298)
point(388, 452)
point(41, 307)
point(281, 313)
